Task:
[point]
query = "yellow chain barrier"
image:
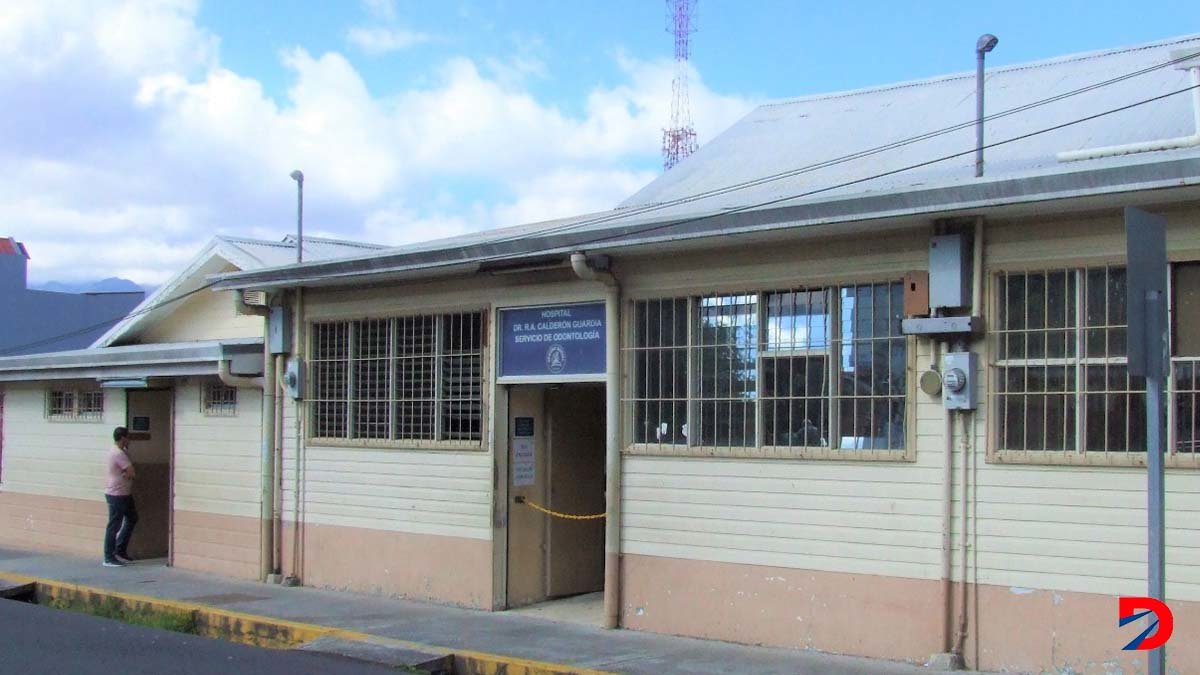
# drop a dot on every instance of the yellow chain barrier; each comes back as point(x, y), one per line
point(556, 514)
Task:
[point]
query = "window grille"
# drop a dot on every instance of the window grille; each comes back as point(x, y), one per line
point(1062, 381)
point(1185, 358)
point(413, 378)
point(328, 379)
point(220, 400)
point(818, 368)
point(75, 404)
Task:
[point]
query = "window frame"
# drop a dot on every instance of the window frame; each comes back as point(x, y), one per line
point(831, 352)
point(211, 408)
point(1079, 456)
point(439, 354)
point(77, 413)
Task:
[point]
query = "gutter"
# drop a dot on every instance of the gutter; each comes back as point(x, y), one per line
point(612, 447)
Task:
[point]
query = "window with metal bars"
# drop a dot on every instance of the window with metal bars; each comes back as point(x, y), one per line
point(413, 378)
point(1061, 386)
point(220, 400)
point(75, 405)
point(1185, 359)
point(795, 371)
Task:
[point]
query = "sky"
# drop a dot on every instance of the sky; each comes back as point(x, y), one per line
point(134, 130)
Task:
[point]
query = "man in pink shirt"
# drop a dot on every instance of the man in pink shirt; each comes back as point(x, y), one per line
point(118, 492)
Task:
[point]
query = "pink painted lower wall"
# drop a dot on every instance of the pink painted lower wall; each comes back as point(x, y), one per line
point(783, 607)
point(225, 545)
point(452, 570)
point(59, 524)
point(888, 617)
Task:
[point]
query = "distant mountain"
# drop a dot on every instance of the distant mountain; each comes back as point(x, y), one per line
point(109, 285)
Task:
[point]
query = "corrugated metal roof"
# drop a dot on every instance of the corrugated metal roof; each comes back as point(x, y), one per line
point(262, 253)
point(242, 252)
point(787, 135)
point(782, 136)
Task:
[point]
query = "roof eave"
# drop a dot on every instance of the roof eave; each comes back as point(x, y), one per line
point(154, 360)
point(983, 194)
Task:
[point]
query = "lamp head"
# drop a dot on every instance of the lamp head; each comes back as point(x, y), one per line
point(987, 42)
point(298, 176)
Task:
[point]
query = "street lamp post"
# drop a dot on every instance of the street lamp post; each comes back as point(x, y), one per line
point(298, 176)
point(987, 42)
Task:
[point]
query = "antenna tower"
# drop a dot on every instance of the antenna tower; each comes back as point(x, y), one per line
point(679, 140)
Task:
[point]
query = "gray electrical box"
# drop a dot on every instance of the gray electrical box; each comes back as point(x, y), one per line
point(279, 329)
point(949, 271)
point(960, 389)
point(293, 378)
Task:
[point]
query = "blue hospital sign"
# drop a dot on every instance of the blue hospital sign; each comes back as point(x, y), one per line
point(553, 340)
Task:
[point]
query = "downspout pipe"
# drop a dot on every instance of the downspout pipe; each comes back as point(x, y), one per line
point(612, 454)
point(266, 384)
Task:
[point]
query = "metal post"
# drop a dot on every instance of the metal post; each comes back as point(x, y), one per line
point(298, 176)
point(986, 43)
point(1146, 281)
point(1155, 487)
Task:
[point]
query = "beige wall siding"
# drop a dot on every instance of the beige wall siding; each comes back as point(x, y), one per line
point(207, 315)
point(52, 495)
point(217, 458)
point(56, 458)
point(1078, 528)
point(1065, 528)
point(217, 490)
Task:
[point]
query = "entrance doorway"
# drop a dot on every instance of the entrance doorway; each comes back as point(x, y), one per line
point(151, 438)
point(556, 461)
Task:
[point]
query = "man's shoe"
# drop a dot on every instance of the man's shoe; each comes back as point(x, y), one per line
point(124, 559)
point(113, 563)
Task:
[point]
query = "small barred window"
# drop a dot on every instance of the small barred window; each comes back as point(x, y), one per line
point(220, 400)
point(75, 404)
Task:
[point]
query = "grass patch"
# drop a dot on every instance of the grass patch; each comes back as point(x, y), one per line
point(179, 622)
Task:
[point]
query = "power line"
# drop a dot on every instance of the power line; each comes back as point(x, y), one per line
point(755, 182)
point(759, 181)
point(102, 324)
point(771, 202)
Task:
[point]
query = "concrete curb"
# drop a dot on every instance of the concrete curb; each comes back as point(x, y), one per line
point(264, 631)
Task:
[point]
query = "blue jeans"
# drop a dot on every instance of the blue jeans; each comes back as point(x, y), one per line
point(122, 516)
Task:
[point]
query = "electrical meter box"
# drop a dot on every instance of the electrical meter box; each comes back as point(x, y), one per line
point(960, 372)
point(279, 329)
point(293, 378)
point(950, 264)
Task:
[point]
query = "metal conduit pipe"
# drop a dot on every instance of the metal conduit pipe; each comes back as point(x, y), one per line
point(966, 445)
point(947, 524)
point(612, 454)
point(298, 411)
point(277, 462)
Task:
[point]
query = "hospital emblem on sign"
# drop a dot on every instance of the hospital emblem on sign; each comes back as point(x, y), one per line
point(556, 359)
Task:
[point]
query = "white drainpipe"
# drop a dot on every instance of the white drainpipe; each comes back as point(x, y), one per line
point(1148, 146)
point(266, 383)
point(612, 454)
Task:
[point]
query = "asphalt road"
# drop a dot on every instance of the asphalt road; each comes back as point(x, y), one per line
point(36, 639)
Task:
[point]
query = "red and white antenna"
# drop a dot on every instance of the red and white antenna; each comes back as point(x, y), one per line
point(679, 140)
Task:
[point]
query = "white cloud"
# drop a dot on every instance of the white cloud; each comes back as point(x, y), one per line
point(379, 40)
point(128, 159)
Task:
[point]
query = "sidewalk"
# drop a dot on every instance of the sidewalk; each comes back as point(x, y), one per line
point(504, 637)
